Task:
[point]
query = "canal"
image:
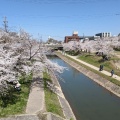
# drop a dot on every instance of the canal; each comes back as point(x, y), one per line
point(88, 100)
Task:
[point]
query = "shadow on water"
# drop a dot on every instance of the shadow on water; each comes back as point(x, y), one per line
point(88, 100)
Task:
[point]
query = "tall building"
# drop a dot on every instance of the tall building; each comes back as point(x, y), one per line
point(103, 34)
point(74, 37)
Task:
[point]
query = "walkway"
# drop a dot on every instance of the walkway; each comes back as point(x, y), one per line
point(95, 68)
point(35, 102)
point(36, 97)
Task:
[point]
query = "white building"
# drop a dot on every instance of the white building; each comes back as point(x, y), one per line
point(103, 34)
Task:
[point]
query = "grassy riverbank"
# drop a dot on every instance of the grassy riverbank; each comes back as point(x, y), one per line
point(95, 71)
point(99, 73)
point(16, 103)
point(97, 60)
point(51, 99)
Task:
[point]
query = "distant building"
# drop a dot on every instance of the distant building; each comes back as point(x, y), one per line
point(83, 38)
point(74, 37)
point(103, 34)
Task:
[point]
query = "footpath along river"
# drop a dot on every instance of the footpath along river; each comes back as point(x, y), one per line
point(88, 100)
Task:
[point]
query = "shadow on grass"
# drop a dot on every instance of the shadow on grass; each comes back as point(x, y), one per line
point(10, 98)
point(88, 55)
point(101, 61)
point(46, 80)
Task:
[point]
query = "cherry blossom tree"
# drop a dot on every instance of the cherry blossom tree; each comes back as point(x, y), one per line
point(72, 46)
point(21, 54)
point(102, 45)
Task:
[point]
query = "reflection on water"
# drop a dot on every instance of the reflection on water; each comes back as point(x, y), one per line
point(88, 100)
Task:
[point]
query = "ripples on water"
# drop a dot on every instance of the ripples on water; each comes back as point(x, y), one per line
point(88, 100)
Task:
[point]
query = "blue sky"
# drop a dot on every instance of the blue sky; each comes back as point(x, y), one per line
point(58, 18)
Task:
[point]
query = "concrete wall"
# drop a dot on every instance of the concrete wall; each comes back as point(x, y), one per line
point(95, 77)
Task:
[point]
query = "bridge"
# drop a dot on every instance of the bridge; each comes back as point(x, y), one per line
point(55, 46)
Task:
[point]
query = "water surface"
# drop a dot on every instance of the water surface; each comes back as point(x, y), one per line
point(88, 100)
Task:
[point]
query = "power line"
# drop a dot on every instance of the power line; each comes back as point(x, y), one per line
point(66, 1)
point(68, 16)
point(63, 1)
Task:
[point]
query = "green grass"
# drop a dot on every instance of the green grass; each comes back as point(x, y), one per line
point(99, 73)
point(95, 71)
point(96, 61)
point(17, 103)
point(51, 99)
point(52, 103)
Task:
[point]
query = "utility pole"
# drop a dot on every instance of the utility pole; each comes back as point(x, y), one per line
point(5, 24)
point(83, 36)
point(41, 39)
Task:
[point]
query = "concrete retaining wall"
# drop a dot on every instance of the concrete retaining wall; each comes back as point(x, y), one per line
point(67, 111)
point(95, 77)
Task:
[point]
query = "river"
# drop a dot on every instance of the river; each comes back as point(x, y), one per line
point(88, 100)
